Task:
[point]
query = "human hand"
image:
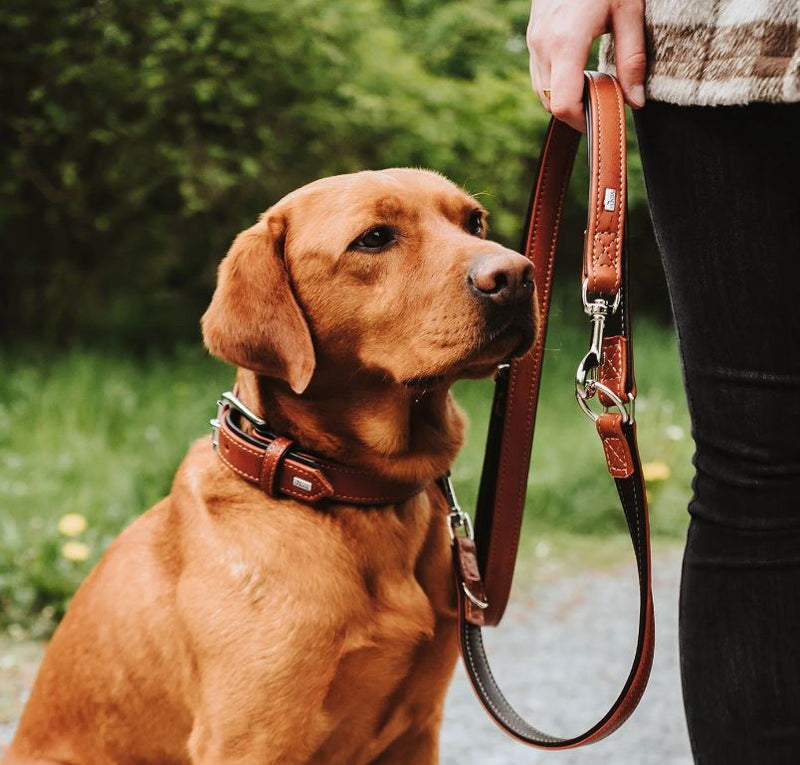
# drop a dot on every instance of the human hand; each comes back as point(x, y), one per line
point(560, 35)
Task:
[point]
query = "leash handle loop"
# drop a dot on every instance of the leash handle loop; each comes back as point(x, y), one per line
point(606, 372)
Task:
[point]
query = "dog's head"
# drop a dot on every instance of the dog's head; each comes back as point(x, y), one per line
point(385, 272)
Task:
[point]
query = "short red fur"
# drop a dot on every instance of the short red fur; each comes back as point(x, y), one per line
point(226, 626)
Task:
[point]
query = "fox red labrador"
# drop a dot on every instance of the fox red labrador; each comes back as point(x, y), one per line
point(230, 624)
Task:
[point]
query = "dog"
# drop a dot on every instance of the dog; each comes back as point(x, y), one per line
point(227, 625)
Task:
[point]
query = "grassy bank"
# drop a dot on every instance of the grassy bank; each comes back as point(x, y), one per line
point(97, 437)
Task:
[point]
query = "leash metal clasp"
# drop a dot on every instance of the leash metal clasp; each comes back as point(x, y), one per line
point(587, 369)
point(586, 382)
point(459, 519)
point(597, 311)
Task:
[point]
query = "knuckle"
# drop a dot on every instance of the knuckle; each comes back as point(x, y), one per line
point(534, 39)
point(561, 41)
point(635, 63)
point(564, 112)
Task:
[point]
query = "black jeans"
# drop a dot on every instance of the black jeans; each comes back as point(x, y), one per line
point(723, 187)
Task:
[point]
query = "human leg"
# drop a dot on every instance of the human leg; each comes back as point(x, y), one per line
point(726, 211)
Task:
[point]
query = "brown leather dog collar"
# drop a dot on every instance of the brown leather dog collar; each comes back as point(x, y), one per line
point(279, 467)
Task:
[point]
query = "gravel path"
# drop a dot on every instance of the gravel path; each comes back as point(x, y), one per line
point(561, 654)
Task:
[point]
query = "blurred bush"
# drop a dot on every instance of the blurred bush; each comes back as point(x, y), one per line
point(136, 138)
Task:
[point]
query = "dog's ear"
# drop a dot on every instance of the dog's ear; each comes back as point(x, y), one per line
point(254, 320)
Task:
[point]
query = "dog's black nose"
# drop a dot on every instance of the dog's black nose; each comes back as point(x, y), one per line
point(502, 277)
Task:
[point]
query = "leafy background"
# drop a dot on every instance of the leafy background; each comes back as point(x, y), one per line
point(136, 139)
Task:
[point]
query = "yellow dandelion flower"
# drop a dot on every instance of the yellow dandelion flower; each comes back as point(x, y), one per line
point(655, 472)
point(72, 524)
point(75, 551)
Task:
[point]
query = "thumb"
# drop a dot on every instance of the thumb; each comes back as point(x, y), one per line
point(629, 50)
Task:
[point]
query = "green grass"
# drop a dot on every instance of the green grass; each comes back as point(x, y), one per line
point(101, 436)
point(91, 434)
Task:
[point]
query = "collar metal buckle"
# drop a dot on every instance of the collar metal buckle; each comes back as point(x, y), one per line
point(216, 423)
point(229, 400)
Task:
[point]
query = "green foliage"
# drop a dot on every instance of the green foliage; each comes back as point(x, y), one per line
point(138, 137)
point(101, 436)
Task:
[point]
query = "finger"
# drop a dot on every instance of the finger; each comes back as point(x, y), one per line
point(541, 82)
point(539, 68)
point(566, 84)
point(629, 50)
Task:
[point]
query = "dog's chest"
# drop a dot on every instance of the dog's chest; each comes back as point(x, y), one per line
point(396, 658)
point(391, 677)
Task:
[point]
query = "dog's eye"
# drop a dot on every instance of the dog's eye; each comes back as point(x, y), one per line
point(475, 224)
point(375, 239)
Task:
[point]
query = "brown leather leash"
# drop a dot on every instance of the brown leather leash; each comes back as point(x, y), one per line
point(484, 564)
point(484, 560)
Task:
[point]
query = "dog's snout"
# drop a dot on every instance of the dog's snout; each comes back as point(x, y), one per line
point(502, 277)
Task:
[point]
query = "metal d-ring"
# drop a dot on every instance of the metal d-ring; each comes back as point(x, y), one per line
point(459, 519)
point(592, 387)
point(477, 602)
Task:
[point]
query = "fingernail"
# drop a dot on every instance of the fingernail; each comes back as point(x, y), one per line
point(637, 95)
